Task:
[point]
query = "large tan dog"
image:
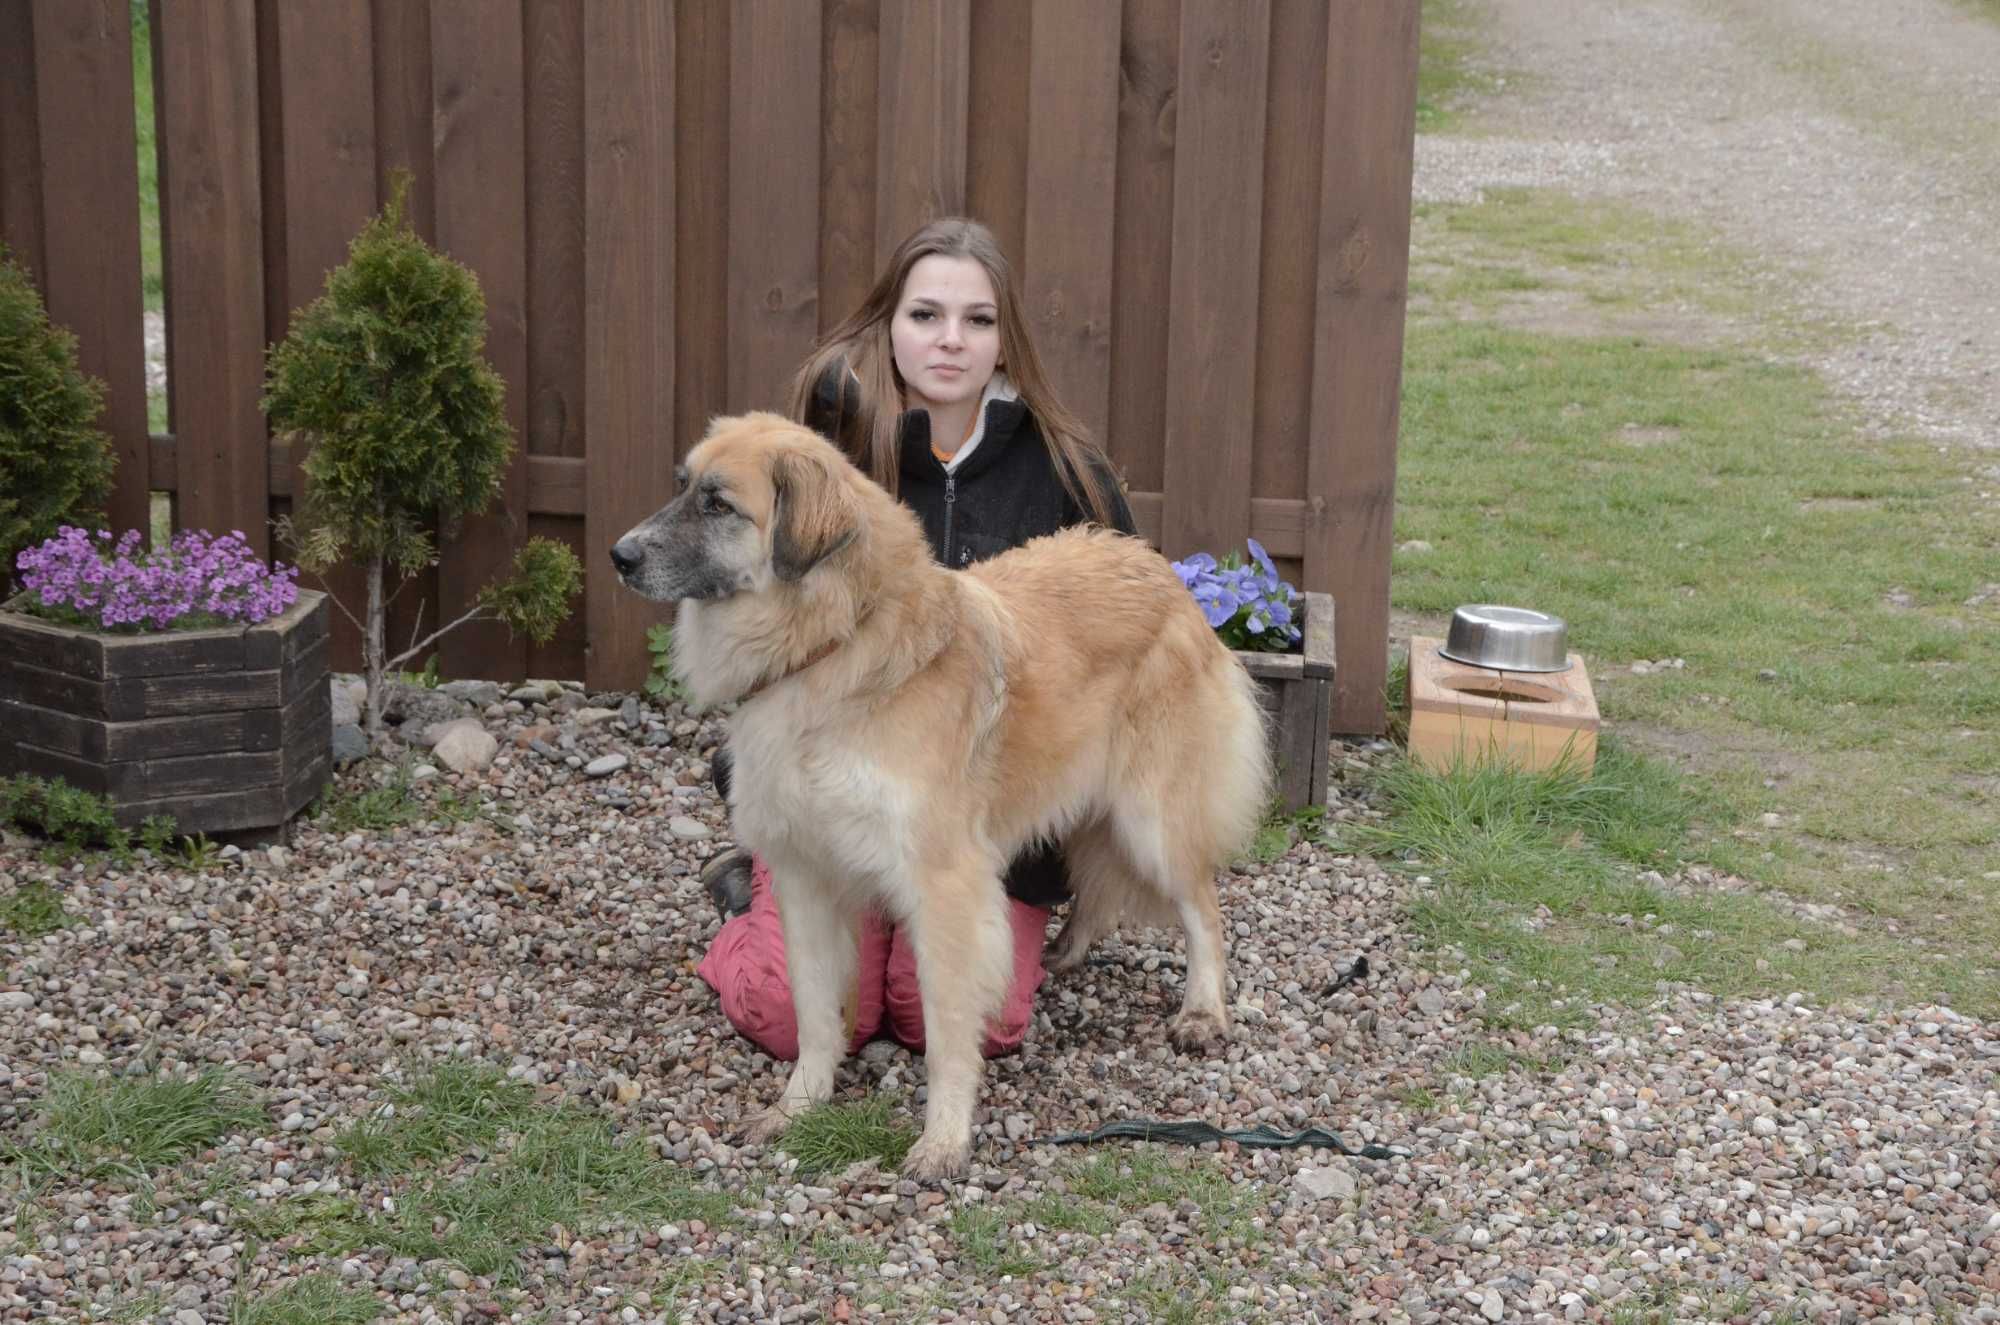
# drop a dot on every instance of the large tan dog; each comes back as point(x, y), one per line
point(906, 730)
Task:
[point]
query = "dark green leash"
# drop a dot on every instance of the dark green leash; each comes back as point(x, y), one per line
point(1253, 1138)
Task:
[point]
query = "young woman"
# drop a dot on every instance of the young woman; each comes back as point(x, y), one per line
point(933, 388)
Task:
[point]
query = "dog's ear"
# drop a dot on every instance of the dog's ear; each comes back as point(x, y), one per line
point(813, 517)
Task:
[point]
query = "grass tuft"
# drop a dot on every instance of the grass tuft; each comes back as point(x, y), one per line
point(833, 1136)
point(91, 1127)
point(31, 911)
point(317, 1299)
point(447, 1109)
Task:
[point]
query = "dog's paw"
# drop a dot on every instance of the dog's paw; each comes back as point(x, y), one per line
point(937, 1161)
point(1197, 1031)
point(767, 1126)
point(1064, 953)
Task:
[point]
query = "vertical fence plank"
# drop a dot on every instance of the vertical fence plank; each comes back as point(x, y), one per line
point(478, 91)
point(403, 106)
point(773, 306)
point(700, 222)
point(20, 139)
point(996, 121)
point(90, 273)
point(214, 261)
point(1364, 255)
point(1142, 239)
point(326, 105)
point(847, 164)
point(1212, 342)
point(629, 332)
point(556, 424)
point(1072, 168)
point(922, 93)
point(1289, 248)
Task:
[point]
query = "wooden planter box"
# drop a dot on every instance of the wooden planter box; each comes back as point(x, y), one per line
point(1297, 692)
point(225, 730)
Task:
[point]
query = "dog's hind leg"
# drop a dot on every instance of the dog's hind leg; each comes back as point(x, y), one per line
point(965, 955)
point(1170, 854)
point(821, 950)
point(1101, 884)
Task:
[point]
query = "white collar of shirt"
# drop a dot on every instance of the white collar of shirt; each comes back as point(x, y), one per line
point(999, 388)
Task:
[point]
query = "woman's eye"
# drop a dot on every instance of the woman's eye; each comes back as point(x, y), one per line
point(921, 315)
point(983, 319)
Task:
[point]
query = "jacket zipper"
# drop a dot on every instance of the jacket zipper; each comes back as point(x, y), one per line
point(950, 497)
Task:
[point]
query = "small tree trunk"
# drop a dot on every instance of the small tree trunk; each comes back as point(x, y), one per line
point(374, 648)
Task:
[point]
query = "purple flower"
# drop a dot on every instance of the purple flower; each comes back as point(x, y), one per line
point(1248, 606)
point(195, 581)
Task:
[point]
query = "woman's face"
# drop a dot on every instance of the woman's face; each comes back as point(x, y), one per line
point(946, 332)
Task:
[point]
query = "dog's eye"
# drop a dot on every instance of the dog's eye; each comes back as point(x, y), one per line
point(714, 505)
point(680, 478)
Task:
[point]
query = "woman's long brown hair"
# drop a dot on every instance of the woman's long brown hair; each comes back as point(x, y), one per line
point(861, 343)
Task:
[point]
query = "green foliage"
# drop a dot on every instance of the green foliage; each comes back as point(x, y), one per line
point(55, 466)
point(74, 821)
point(385, 377)
point(32, 910)
point(92, 1127)
point(317, 1299)
point(829, 1138)
point(535, 599)
point(660, 682)
point(443, 1111)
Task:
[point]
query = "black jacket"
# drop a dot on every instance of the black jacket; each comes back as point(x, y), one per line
point(1005, 493)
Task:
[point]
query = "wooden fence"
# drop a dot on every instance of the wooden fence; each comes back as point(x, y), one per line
point(666, 202)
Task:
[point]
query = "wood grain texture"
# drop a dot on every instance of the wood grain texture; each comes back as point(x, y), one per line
point(700, 224)
point(1066, 261)
point(478, 96)
point(1007, 39)
point(1212, 337)
point(1360, 291)
point(774, 107)
point(1142, 239)
point(210, 184)
point(402, 33)
point(327, 108)
point(91, 278)
point(629, 326)
point(851, 41)
point(20, 139)
point(553, 39)
point(921, 102)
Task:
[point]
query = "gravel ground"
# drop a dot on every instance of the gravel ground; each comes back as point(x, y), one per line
point(1852, 146)
point(1715, 1160)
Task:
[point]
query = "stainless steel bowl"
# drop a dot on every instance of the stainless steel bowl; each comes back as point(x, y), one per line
point(1508, 639)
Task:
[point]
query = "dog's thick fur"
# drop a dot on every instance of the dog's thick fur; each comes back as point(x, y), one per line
point(907, 730)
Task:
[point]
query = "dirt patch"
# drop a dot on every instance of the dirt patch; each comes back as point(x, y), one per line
point(1635, 436)
point(1705, 752)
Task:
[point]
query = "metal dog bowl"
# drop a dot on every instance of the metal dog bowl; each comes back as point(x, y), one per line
point(1507, 639)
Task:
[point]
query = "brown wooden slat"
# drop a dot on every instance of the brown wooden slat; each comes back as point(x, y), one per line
point(90, 273)
point(1363, 270)
point(478, 94)
point(629, 329)
point(220, 812)
point(851, 39)
point(1142, 238)
point(997, 138)
point(1279, 523)
point(1212, 342)
point(170, 696)
point(214, 258)
point(1289, 246)
point(700, 221)
point(921, 106)
point(772, 309)
point(554, 54)
point(403, 105)
point(1072, 172)
point(20, 139)
point(327, 106)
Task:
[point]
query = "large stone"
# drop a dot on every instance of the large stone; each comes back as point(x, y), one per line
point(418, 709)
point(465, 747)
point(349, 744)
point(605, 765)
point(346, 703)
point(1325, 1184)
point(476, 693)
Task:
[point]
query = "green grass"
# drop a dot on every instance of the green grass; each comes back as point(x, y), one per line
point(1448, 40)
point(1133, 1179)
point(31, 911)
point(831, 1137)
point(985, 1243)
point(317, 1299)
point(91, 1127)
point(1675, 489)
point(149, 159)
point(444, 1111)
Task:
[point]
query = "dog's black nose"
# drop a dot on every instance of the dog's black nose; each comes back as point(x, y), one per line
point(625, 557)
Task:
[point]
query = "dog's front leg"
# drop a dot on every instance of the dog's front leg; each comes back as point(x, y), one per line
point(821, 947)
point(965, 957)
